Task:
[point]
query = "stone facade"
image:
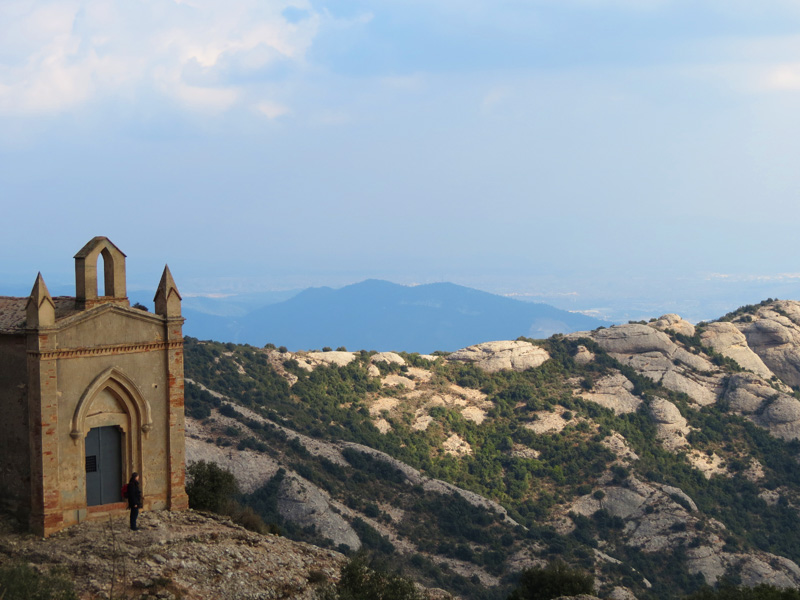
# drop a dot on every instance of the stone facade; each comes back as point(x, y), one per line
point(75, 370)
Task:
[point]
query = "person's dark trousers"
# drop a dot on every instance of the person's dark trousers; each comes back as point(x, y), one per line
point(134, 516)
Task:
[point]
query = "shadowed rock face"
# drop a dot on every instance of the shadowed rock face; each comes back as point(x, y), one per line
point(726, 339)
point(773, 334)
point(306, 505)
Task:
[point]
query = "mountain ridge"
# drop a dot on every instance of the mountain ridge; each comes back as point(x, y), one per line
point(381, 315)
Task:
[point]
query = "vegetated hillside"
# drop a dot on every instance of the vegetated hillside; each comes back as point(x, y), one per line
point(658, 456)
point(380, 315)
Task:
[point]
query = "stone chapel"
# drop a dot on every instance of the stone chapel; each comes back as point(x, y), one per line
point(91, 390)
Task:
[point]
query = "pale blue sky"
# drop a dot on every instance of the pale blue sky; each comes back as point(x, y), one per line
point(595, 154)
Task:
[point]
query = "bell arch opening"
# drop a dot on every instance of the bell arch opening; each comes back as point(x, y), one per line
point(108, 273)
point(87, 275)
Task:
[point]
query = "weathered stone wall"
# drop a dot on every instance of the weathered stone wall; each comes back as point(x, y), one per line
point(15, 480)
point(131, 344)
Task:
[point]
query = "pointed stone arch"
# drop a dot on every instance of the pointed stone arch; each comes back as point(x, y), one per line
point(125, 391)
point(86, 292)
point(119, 403)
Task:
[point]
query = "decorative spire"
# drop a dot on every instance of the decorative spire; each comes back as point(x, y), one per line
point(167, 298)
point(40, 309)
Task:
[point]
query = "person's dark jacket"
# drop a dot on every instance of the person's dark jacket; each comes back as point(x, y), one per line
point(134, 494)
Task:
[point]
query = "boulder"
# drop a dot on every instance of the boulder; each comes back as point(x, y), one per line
point(773, 334)
point(497, 356)
point(583, 356)
point(726, 339)
point(304, 504)
point(634, 338)
point(673, 322)
point(620, 447)
point(388, 357)
point(783, 409)
point(340, 359)
point(654, 521)
point(666, 413)
point(614, 392)
point(671, 427)
point(653, 354)
point(746, 393)
point(767, 407)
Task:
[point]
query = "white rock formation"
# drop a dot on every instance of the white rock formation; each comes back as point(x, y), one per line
point(388, 357)
point(496, 356)
point(670, 424)
point(619, 446)
point(773, 334)
point(340, 359)
point(673, 322)
point(767, 407)
point(583, 356)
point(726, 339)
point(653, 354)
point(456, 446)
point(614, 392)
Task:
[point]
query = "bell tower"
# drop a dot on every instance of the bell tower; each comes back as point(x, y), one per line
point(114, 291)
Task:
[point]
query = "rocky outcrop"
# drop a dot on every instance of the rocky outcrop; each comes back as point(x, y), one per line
point(620, 447)
point(583, 355)
point(338, 358)
point(496, 356)
point(614, 392)
point(726, 339)
point(184, 555)
point(767, 407)
point(754, 569)
point(671, 426)
point(414, 477)
point(304, 504)
point(388, 357)
point(653, 354)
point(674, 323)
point(773, 334)
point(657, 517)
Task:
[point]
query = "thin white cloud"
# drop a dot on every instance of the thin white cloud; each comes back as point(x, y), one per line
point(272, 110)
point(60, 54)
point(494, 97)
point(737, 278)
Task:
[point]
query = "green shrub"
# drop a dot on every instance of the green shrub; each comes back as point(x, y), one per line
point(557, 579)
point(760, 592)
point(360, 581)
point(210, 487)
point(21, 582)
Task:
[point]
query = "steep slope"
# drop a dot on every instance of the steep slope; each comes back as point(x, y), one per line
point(657, 455)
point(385, 316)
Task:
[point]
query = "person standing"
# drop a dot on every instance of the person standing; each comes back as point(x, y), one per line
point(134, 499)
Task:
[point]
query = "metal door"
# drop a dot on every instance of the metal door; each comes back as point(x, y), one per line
point(103, 466)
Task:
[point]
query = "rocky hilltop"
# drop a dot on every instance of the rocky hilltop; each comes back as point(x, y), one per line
point(176, 555)
point(659, 456)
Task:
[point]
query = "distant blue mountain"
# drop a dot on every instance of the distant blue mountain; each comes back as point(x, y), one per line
point(379, 315)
